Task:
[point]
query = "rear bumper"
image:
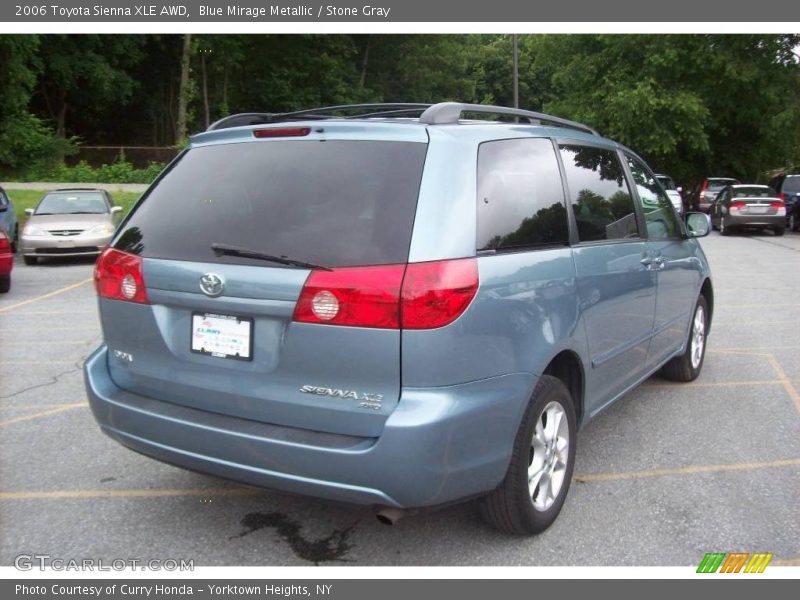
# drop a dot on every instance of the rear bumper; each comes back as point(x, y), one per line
point(439, 445)
point(755, 221)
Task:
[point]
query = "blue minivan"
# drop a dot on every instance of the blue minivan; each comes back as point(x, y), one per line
point(397, 305)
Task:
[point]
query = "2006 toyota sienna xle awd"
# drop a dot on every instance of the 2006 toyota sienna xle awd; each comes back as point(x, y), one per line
point(394, 306)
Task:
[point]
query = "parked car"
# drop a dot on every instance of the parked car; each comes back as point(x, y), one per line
point(704, 192)
point(400, 313)
point(788, 189)
point(6, 262)
point(673, 192)
point(69, 222)
point(748, 206)
point(8, 220)
point(794, 217)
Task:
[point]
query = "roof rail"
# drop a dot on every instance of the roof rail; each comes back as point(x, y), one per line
point(429, 114)
point(388, 109)
point(450, 112)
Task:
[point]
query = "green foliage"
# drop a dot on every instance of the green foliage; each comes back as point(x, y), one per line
point(120, 171)
point(692, 105)
point(27, 143)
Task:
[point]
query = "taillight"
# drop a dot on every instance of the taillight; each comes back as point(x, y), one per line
point(780, 206)
point(282, 132)
point(414, 296)
point(118, 276)
point(738, 205)
point(436, 293)
point(5, 245)
point(354, 296)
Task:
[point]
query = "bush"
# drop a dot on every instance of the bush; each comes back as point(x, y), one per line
point(26, 143)
point(120, 171)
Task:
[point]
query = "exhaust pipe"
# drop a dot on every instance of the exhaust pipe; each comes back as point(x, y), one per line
point(389, 515)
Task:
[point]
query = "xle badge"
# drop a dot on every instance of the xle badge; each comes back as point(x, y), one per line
point(369, 401)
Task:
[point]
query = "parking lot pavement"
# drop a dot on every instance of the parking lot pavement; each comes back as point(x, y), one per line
point(668, 473)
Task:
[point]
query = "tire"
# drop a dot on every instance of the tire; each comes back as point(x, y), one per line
point(778, 231)
point(794, 222)
point(5, 284)
point(30, 260)
point(688, 365)
point(513, 507)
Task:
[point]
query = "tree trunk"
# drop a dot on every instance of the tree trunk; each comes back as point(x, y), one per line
point(183, 91)
point(364, 62)
point(206, 111)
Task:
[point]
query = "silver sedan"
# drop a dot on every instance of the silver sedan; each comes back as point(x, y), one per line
point(69, 222)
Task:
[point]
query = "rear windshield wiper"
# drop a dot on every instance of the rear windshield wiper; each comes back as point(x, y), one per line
point(224, 249)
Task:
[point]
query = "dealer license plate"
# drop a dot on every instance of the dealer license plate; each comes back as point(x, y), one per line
point(222, 336)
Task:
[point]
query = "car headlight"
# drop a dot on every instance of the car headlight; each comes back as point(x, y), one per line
point(34, 231)
point(100, 229)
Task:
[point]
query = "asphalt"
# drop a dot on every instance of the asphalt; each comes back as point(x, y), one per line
point(668, 473)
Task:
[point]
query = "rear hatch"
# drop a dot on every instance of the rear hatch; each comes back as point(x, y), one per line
point(217, 331)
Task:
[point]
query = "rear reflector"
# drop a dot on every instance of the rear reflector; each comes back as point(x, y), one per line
point(414, 296)
point(118, 276)
point(282, 132)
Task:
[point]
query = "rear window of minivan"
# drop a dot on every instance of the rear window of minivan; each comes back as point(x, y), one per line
point(336, 203)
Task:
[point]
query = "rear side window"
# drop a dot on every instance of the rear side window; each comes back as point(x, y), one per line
point(791, 184)
point(520, 196)
point(335, 203)
point(599, 194)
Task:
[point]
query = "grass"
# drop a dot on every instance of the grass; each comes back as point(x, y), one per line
point(22, 199)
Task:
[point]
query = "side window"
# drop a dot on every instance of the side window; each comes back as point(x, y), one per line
point(659, 214)
point(520, 196)
point(600, 197)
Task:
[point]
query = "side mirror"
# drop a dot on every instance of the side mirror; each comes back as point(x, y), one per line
point(116, 210)
point(29, 212)
point(697, 224)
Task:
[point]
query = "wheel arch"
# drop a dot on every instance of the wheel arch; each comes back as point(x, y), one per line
point(567, 366)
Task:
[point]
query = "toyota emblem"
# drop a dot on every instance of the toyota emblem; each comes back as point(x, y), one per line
point(212, 284)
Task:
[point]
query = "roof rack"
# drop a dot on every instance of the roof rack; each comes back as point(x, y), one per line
point(450, 112)
point(389, 109)
point(430, 114)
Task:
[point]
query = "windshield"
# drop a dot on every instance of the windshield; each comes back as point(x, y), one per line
point(754, 192)
point(335, 202)
point(666, 182)
point(715, 185)
point(72, 203)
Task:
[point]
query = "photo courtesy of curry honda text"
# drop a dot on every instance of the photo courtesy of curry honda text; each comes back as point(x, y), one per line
point(395, 305)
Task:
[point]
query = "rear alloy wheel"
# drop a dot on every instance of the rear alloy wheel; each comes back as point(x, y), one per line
point(687, 366)
point(533, 491)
